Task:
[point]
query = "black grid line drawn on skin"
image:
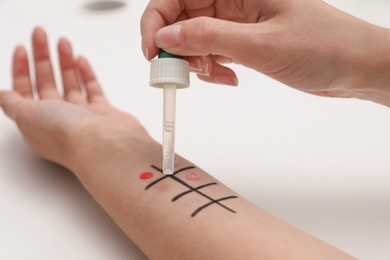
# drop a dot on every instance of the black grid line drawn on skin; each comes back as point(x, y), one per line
point(192, 189)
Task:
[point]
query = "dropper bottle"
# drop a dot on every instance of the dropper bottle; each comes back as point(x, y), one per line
point(169, 72)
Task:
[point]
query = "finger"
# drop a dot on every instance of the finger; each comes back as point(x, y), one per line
point(220, 75)
point(92, 87)
point(210, 70)
point(156, 15)
point(204, 35)
point(161, 13)
point(203, 64)
point(46, 86)
point(200, 64)
point(72, 90)
point(21, 73)
point(9, 101)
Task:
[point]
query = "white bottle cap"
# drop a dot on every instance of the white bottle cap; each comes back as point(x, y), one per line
point(169, 70)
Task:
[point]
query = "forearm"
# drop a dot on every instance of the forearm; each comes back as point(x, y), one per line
point(182, 217)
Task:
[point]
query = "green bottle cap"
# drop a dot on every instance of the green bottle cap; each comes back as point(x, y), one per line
point(164, 54)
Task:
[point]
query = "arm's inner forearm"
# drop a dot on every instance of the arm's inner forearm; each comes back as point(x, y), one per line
point(191, 215)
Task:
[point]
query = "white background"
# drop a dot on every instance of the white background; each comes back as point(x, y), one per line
point(320, 164)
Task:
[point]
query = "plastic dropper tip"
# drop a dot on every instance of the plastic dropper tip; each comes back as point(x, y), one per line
point(168, 162)
point(167, 171)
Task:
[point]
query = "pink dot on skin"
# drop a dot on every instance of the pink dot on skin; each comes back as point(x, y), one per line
point(145, 175)
point(193, 176)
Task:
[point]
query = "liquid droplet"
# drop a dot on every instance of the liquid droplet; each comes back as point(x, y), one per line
point(146, 175)
point(193, 176)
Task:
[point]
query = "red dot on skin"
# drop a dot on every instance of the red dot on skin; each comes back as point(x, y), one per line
point(193, 176)
point(145, 175)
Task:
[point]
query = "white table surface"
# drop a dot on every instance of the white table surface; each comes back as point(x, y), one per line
point(320, 164)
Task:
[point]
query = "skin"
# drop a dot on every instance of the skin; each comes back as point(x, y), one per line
point(108, 150)
point(55, 113)
point(306, 44)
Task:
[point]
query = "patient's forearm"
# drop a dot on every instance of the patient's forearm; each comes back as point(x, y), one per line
point(187, 215)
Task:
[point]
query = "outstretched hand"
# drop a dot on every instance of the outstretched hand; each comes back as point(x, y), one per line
point(55, 124)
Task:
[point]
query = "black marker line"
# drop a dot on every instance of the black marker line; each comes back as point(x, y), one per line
point(191, 190)
point(166, 176)
point(202, 194)
point(156, 168)
point(212, 202)
point(156, 181)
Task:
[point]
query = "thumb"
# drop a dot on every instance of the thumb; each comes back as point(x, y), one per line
point(202, 36)
point(9, 101)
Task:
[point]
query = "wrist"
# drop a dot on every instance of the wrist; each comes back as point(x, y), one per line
point(104, 147)
point(373, 69)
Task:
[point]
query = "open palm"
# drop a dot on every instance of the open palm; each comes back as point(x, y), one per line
point(52, 122)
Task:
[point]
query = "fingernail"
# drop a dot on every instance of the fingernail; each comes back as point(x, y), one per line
point(226, 80)
point(206, 70)
point(169, 36)
point(195, 64)
point(199, 65)
point(145, 50)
